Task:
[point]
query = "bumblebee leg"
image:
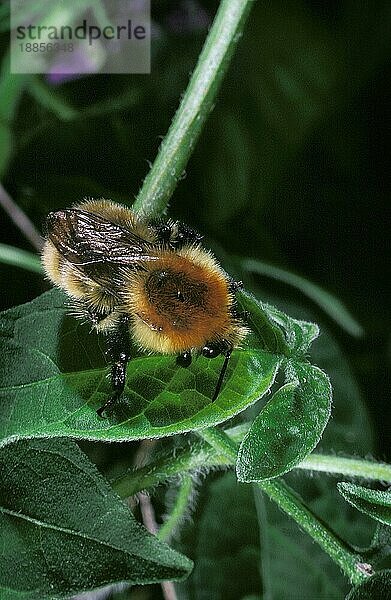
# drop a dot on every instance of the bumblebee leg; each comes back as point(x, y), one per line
point(184, 359)
point(240, 315)
point(222, 374)
point(213, 350)
point(119, 352)
point(234, 286)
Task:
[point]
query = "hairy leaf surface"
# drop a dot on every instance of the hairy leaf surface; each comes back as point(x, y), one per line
point(375, 503)
point(64, 530)
point(53, 382)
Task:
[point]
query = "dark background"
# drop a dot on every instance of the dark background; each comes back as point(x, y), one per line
point(291, 167)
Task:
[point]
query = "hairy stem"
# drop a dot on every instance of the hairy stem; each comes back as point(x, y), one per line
point(203, 456)
point(197, 103)
point(350, 467)
point(179, 509)
point(350, 562)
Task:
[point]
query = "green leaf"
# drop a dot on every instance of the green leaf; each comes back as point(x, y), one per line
point(288, 428)
point(5, 147)
point(377, 587)
point(52, 382)
point(278, 332)
point(375, 503)
point(65, 531)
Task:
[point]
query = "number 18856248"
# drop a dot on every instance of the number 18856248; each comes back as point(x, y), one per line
point(46, 47)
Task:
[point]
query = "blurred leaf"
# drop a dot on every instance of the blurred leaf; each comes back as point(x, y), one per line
point(49, 389)
point(225, 544)
point(20, 258)
point(288, 428)
point(11, 87)
point(5, 146)
point(225, 180)
point(375, 503)
point(49, 99)
point(65, 531)
point(377, 587)
point(292, 565)
point(331, 305)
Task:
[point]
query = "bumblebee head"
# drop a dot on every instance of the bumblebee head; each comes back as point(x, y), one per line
point(175, 234)
point(184, 236)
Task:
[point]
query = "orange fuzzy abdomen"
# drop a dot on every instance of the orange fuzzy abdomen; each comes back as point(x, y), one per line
point(180, 305)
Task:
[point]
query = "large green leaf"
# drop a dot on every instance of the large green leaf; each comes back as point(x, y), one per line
point(377, 587)
point(288, 428)
point(53, 382)
point(375, 503)
point(64, 530)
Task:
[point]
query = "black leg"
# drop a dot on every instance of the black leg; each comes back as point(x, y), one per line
point(184, 359)
point(222, 375)
point(119, 352)
point(211, 351)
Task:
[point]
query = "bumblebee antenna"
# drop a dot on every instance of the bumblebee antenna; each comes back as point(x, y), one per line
point(222, 374)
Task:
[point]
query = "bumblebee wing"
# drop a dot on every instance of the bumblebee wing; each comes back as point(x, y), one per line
point(92, 243)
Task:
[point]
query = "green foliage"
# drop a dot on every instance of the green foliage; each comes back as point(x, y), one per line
point(54, 392)
point(375, 503)
point(288, 428)
point(291, 561)
point(276, 331)
point(377, 587)
point(20, 258)
point(225, 546)
point(63, 529)
point(289, 172)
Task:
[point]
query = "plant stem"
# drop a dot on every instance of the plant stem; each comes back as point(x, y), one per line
point(203, 456)
point(179, 509)
point(350, 467)
point(195, 107)
point(199, 456)
point(350, 562)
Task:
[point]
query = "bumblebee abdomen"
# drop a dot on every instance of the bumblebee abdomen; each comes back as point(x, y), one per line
point(73, 281)
point(176, 296)
point(183, 302)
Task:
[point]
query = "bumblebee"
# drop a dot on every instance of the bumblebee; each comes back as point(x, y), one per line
point(149, 281)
